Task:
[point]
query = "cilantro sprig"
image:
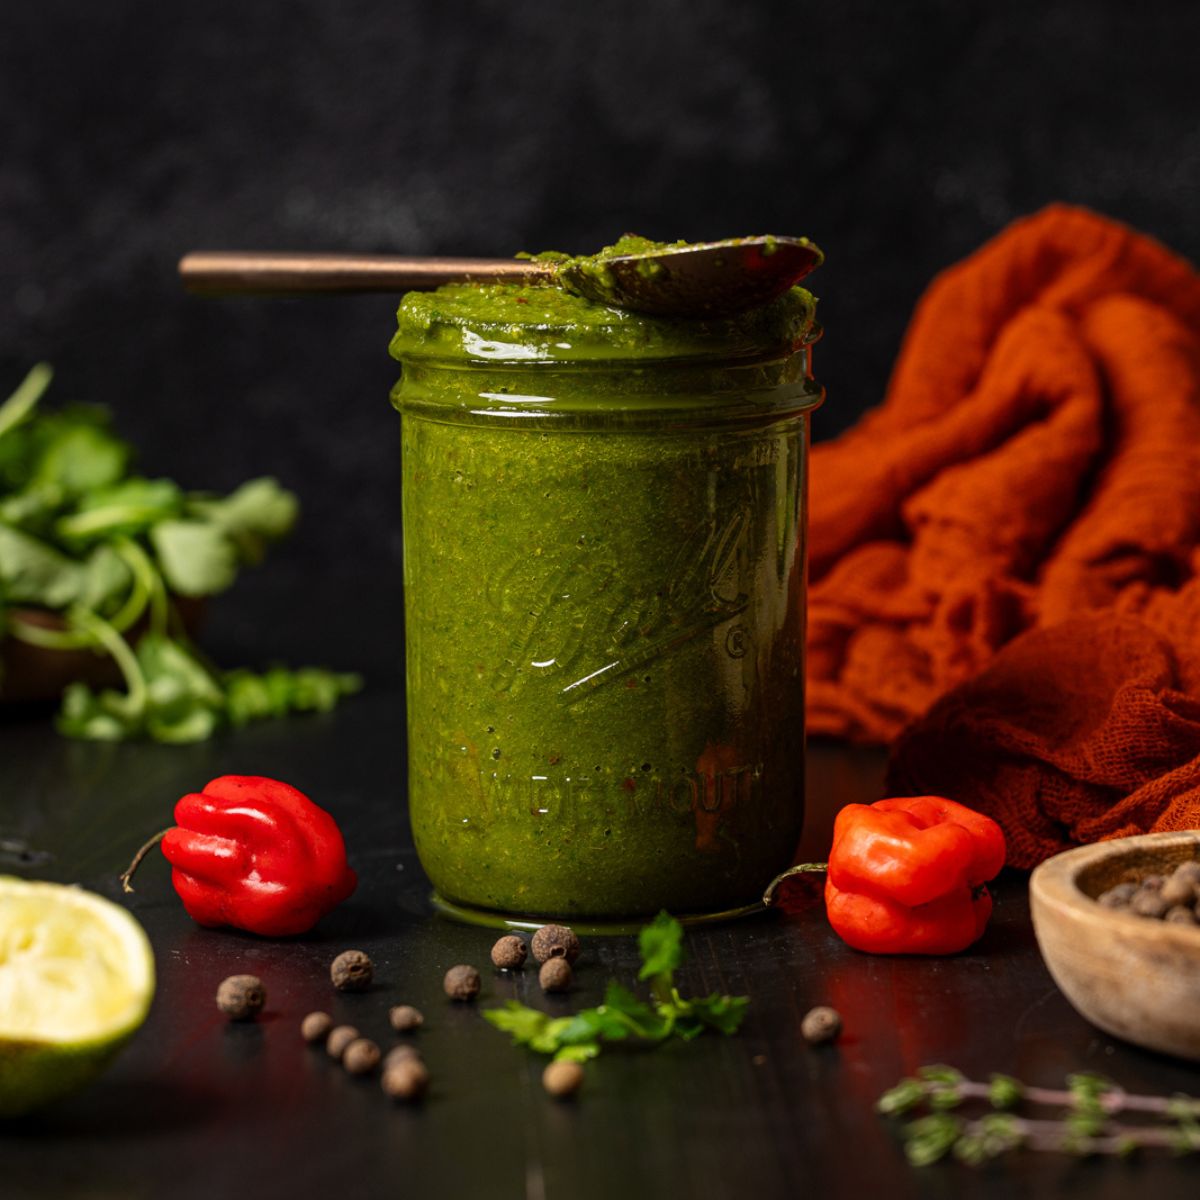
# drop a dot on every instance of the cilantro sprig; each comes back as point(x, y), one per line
point(108, 552)
point(623, 1018)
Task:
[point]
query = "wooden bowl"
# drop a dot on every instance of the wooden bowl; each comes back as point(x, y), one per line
point(1132, 976)
point(34, 674)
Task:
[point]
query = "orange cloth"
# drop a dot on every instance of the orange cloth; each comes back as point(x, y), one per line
point(1036, 460)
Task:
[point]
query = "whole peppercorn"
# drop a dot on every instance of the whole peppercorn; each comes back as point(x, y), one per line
point(406, 1080)
point(361, 1057)
point(508, 954)
point(315, 1027)
point(555, 941)
point(241, 997)
point(1180, 915)
point(399, 1054)
point(462, 983)
point(1119, 896)
point(351, 971)
point(404, 1018)
point(562, 1079)
point(821, 1025)
point(555, 975)
point(1149, 904)
point(339, 1038)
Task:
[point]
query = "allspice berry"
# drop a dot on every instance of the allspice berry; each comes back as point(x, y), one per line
point(555, 975)
point(241, 997)
point(399, 1054)
point(405, 1080)
point(555, 941)
point(1190, 871)
point(1119, 896)
point(315, 1027)
point(404, 1018)
point(1148, 903)
point(508, 954)
point(821, 1025)
point(462, 983)
point(351, 971)
point(339, 1038)
point(562, 1079)
point(1179, 889)
point(1180, 915)
point(361, 1057)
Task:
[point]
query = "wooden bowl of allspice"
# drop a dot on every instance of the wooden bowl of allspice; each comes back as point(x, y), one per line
point(1118, 924)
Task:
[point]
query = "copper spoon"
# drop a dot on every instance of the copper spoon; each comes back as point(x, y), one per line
point(707, 279)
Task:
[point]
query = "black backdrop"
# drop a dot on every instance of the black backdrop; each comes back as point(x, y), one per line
point(898, 135)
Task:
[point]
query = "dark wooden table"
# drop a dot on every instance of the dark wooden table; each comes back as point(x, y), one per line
point(198, 1107)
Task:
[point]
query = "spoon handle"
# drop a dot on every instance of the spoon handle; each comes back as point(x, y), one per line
point(228, 273)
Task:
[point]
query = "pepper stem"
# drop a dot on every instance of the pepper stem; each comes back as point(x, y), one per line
point(799, 869)
point(127, 874)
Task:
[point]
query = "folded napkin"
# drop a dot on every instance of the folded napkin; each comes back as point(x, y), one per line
point(1033, 474)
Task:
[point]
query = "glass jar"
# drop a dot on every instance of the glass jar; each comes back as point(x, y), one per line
point(604, 571)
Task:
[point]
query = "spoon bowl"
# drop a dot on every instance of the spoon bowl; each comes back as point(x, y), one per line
point(707, 279)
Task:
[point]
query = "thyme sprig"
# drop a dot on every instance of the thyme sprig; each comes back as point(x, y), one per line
point(1087, 1126)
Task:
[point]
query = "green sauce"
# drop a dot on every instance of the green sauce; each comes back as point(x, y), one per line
point(505, 322)
point(604, 574)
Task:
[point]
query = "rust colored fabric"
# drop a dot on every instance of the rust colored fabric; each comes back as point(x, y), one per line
point(1010, 543)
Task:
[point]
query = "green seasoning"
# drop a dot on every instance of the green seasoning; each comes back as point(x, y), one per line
point(604, 578)
point(508, 323)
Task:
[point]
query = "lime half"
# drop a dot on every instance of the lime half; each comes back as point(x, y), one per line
point(76, 981)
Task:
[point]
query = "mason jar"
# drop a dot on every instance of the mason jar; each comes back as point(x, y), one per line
point(604, 574)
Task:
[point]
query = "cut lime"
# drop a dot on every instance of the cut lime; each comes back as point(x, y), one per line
point(76, 981)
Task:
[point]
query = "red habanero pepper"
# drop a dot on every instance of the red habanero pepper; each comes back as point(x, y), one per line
point(258, 855)
point(906, 876)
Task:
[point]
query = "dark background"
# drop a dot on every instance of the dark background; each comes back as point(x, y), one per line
point(899, 136)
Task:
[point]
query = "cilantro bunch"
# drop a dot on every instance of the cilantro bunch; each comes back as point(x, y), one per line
point(623, 1018)
point(107, 552)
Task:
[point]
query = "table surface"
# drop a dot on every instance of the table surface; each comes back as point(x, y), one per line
point(199, 1107)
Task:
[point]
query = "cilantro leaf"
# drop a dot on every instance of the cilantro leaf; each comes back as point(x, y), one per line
point(523, 1022)
point(661, 945)
point(36, 574)
point(623, 1010)
point(251, 697)
point(129, 507)
point(623, 1018)
point(93, 717)
point(106, 578)
point(197, 558)
point(722, 1013)
point(80, 458)
point(256, 513)
point(579, 1052)
point(24, 400)
point(173, 697)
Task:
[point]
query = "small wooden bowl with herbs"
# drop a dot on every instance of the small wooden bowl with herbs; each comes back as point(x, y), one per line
point(103, 575)
point(1113, 926)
